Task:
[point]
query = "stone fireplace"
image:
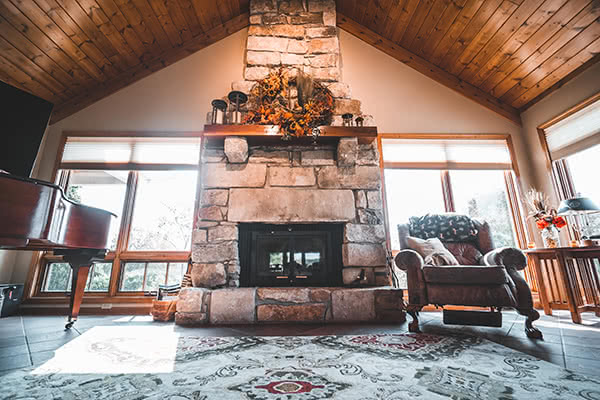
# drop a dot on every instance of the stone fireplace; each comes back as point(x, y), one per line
point(253, 192)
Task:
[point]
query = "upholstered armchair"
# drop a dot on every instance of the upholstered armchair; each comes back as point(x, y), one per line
point(483, 276)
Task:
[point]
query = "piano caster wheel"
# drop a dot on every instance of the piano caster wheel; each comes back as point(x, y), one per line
point(69, 325)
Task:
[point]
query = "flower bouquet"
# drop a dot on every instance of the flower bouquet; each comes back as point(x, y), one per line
point(545, 217)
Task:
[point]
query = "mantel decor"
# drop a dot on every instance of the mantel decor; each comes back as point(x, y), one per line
point(298, 105)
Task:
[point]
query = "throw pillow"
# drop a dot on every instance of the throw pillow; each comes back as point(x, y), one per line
point(432, 251)
point(447, 227)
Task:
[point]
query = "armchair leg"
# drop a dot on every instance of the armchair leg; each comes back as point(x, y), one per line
point(530, 330)
point(413, 311)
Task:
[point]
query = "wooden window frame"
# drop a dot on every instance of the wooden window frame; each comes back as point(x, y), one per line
point(120, 255)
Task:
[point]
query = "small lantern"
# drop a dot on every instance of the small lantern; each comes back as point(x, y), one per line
point(218, 111)
point(359, 121)
point(236, 100)
point(347, 118)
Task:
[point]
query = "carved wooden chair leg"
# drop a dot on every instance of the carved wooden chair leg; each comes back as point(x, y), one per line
point(531, 331)
point(413, 311)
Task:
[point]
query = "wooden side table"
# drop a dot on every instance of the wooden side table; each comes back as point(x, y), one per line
point(567, 279)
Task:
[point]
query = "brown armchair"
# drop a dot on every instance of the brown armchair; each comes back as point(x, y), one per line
point(486, 277)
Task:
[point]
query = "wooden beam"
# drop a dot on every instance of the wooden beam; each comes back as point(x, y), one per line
point(426, 68)
point(134, 74)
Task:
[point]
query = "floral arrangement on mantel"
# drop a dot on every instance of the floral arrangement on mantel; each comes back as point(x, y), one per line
point(545, 217)
point(271, 103)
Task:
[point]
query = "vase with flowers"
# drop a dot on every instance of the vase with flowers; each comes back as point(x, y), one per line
point(545, 217)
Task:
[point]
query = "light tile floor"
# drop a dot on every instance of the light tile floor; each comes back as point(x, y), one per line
point(32, 340)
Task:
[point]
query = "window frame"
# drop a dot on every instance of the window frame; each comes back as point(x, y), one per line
point(121, 254)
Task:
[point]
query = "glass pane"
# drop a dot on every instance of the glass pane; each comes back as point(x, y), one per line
point(58, 277)
point(482, 195)
point(411, 192)
point(99, 278)
point(155, 275)
point(163, 211)
point(176, 272)
point(101, 189)
point(582, 166)
point(133, 277)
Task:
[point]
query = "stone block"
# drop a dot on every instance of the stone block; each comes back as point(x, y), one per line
point(281, 205)
point(353, 305)
point(371, 217)
point(215, 197)
point(210, 213)
point(324, 60)
point(317, 157)
point(383, 276)
point(255, 73)
point(321, 31)
point(297, 46)
point(321, 295)
point(191, 299)
point(288, 176)
point(243, 86)
point(358, 276)
point(267, 43)
point(340, 90)
point(359, 233)
point(262, 6)
point(284, 295)
point(199, 236)
point(236, 149)
point(374, 199)
point(329, 18)
point(223, 233)
point(205, 224)
point(389, 299)
point(328, 45)
point(208, 275)
point(207, 253)
point(269, 156)
point(263, 58)
point(363, 177)
point(325, 74)
point(321, 5)
point(363, 255)
point(191, 318)
point(256, 19)
point(289, 31)
point(361, 199)
point(291, 313)
point(213, 155)
point(306, 18)
point(343, 106)
point(347, 152)
point(232, 306)
point(273, 19)
point(292, 59)
point(234, 175)
point(367, 155)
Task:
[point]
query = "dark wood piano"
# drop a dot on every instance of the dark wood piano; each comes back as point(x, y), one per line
point(36, 215)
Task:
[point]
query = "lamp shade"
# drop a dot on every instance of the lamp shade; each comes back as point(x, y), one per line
point(577, 205)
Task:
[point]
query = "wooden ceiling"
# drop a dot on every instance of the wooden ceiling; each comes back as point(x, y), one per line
point(504, 54)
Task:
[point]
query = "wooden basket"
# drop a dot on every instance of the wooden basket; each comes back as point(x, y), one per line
point(163, 310)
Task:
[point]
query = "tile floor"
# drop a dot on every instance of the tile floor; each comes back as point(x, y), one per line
point(32, 340)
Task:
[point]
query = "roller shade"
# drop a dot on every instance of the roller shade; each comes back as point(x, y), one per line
point(131, 151)
point(577, 132)
point(446, 153)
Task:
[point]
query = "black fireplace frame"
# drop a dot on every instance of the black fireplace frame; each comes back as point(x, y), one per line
point(333, 272)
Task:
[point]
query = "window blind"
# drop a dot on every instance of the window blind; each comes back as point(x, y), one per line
point(577, 132)
point(131, 151)
point(446, 153)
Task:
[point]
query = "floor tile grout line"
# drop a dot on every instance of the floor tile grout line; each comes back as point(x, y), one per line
point(26, 340)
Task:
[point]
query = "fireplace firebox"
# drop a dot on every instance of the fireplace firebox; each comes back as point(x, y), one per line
point(290, 255)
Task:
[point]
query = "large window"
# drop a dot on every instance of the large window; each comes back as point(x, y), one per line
point(467, 176)
point(150, 184)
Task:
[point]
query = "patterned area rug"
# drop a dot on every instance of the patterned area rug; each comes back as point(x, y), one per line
point(134, 364)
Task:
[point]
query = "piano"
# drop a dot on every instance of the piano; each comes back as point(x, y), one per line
point(36, 215)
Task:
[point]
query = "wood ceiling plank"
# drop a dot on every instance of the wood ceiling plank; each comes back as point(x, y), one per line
point(161, 12)
point(151, 22)
point(441, 28)
point(408, 10)
point(244, 6)
point(426, 68)
point(78, 77)
point(558, 58)
point(500, 37)
point(126, 78)
point(392, 17)
point(224, 10)
point(187, 8)
point(565, 14)
point(478, 21)
point(381, 11)
point(207, 10)
point(13, 75)
point(60, 17)
point(500, 16)
point(545, 51)
point(178, 19)
point(562, 71)
point(345, 6)
point(360, 9)
point(433, 19)
point(527, 29)
point(235, 8)
point(416, 22)
point(201, 15)
point(455, 30)
point(141, 27)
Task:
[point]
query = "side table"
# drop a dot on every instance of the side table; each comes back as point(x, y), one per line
point(567, 279)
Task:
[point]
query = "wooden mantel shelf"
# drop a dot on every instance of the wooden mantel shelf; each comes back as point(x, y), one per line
point(259, 132)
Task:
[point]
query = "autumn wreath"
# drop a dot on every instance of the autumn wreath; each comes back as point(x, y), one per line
point(271, 103)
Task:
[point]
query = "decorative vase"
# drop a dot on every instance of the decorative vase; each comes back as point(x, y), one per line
point(550, 237)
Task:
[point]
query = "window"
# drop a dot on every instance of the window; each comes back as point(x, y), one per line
point(437, 175)
point(150, 184)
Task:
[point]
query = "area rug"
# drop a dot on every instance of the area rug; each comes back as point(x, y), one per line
point(136, 364)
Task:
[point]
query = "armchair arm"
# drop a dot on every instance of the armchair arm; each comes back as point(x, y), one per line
point(412, 262)
point(509, 257)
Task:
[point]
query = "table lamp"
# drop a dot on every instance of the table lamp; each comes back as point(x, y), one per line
point(580, 206)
